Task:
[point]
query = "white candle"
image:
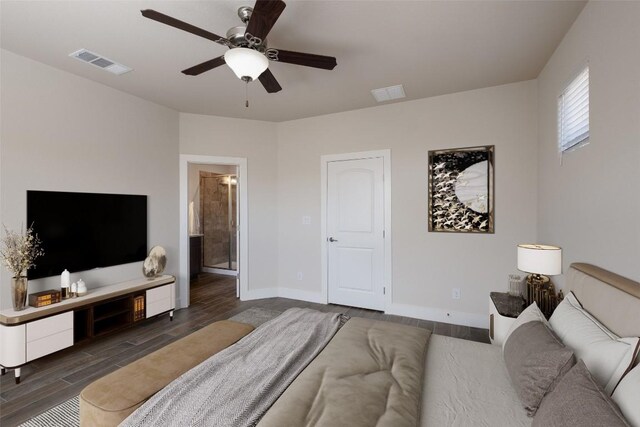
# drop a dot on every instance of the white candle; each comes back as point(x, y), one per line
point(65, 279)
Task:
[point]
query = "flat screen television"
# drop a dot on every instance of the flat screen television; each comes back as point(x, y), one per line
point(83, 231)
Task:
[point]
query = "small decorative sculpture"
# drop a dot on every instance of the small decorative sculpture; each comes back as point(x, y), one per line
point(160, 255)
point(65, 282)
point(149, 268)
point(81, 288)
point(155, 263)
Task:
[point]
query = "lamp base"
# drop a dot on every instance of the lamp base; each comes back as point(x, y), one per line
point(537, 279)
point(541, 290)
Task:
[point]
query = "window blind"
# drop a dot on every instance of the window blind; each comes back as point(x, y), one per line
point(573, 112)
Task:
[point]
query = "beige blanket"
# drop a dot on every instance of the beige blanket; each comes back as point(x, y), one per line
point(370, 374)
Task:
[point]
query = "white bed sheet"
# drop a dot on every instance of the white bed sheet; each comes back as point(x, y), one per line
point(466, 384)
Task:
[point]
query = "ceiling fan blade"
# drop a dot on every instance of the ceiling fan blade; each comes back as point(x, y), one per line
point(265, 14)
point(205, 66)
point(299, 58)
point(269, 82)
point(181, 25)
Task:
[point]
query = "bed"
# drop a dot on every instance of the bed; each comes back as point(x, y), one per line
point(467, 383)
point(380, 373)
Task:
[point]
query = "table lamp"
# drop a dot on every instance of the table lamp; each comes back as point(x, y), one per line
point(540, 261)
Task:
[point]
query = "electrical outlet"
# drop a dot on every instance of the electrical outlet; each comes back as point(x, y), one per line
point(300, 275)
point(306, 220)
point(455, 293)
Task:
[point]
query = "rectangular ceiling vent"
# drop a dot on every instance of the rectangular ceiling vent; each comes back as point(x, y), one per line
point(388, 93)
point(100, 61)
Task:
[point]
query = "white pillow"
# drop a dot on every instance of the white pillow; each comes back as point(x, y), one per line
point(606, 355)
point(627, 396)
point(529, 314)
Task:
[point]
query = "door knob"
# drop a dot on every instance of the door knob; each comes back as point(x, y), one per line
point(331, 239)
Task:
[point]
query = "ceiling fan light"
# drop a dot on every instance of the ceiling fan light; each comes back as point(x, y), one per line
point(246, 62)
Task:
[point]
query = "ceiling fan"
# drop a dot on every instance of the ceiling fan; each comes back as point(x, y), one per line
point(248, 55)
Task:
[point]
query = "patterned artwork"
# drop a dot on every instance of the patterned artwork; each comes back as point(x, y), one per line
point(461, 190)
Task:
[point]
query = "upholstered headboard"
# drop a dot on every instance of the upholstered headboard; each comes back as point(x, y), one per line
point(614, 300)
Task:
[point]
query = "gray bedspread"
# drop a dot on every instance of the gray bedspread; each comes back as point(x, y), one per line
point(236, 386)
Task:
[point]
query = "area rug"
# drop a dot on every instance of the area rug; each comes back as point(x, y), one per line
point(255, 316)
point(67, 414)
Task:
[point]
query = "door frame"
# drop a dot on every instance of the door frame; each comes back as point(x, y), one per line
point(243, 235)
point(324, 180)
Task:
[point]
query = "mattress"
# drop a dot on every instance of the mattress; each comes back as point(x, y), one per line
point(466, 384)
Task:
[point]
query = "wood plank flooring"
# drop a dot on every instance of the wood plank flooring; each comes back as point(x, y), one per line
point(51, 380)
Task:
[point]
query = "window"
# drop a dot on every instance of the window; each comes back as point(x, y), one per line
point(573, 112)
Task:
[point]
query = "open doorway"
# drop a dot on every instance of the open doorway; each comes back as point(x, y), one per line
point(213, 215)
point(213, 219)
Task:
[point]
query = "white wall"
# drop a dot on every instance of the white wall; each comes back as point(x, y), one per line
point(590, 204)
point(256, 141)
point(426, 266)
point(62, 132)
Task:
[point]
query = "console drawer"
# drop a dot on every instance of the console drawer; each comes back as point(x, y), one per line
point(49, 326)
point(160, 293)
point(159, 300)
point(158, 307)
point(49, 344)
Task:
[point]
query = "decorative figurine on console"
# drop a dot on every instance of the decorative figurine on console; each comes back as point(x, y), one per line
point(65, 282)
point(81, 288)
point(155, 263)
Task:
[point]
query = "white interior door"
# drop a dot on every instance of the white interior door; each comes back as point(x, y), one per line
point(355, 227)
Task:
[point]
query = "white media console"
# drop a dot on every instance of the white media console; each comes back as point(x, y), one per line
point(36, 332)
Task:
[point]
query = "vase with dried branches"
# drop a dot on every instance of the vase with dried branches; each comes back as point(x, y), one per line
point(18, 252)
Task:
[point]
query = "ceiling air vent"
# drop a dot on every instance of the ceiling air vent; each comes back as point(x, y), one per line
point(100, 61)
point(388, 93)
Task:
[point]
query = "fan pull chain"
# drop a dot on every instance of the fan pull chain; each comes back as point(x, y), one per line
point(246, 94)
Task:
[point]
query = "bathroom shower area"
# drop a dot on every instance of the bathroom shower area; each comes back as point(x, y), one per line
point(213, 219)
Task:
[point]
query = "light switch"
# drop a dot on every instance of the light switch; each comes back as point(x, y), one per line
point(306, 220)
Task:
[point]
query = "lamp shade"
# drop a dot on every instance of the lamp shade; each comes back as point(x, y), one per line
point(540, 259)
point(246, 62)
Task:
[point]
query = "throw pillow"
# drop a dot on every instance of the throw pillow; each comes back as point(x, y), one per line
point(578, 401)
point(529, 314)
point(536, 359)
point(606, 355)
point(627, 396)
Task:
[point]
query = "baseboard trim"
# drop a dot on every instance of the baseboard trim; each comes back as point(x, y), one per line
point(290, 293)
point(223, 271)
point(417, 312)
point(440, 315)
point(252, 294)
point(301, 295)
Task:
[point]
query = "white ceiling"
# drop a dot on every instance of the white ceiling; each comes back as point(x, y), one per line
point(431, 47)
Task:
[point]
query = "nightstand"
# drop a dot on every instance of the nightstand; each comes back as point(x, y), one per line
point(503, 310)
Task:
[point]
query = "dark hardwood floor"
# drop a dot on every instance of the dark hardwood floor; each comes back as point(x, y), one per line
point(56, 378)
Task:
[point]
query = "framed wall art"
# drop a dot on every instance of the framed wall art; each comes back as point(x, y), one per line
point(461, 193)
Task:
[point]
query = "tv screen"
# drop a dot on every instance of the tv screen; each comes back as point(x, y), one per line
point(83, 231)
